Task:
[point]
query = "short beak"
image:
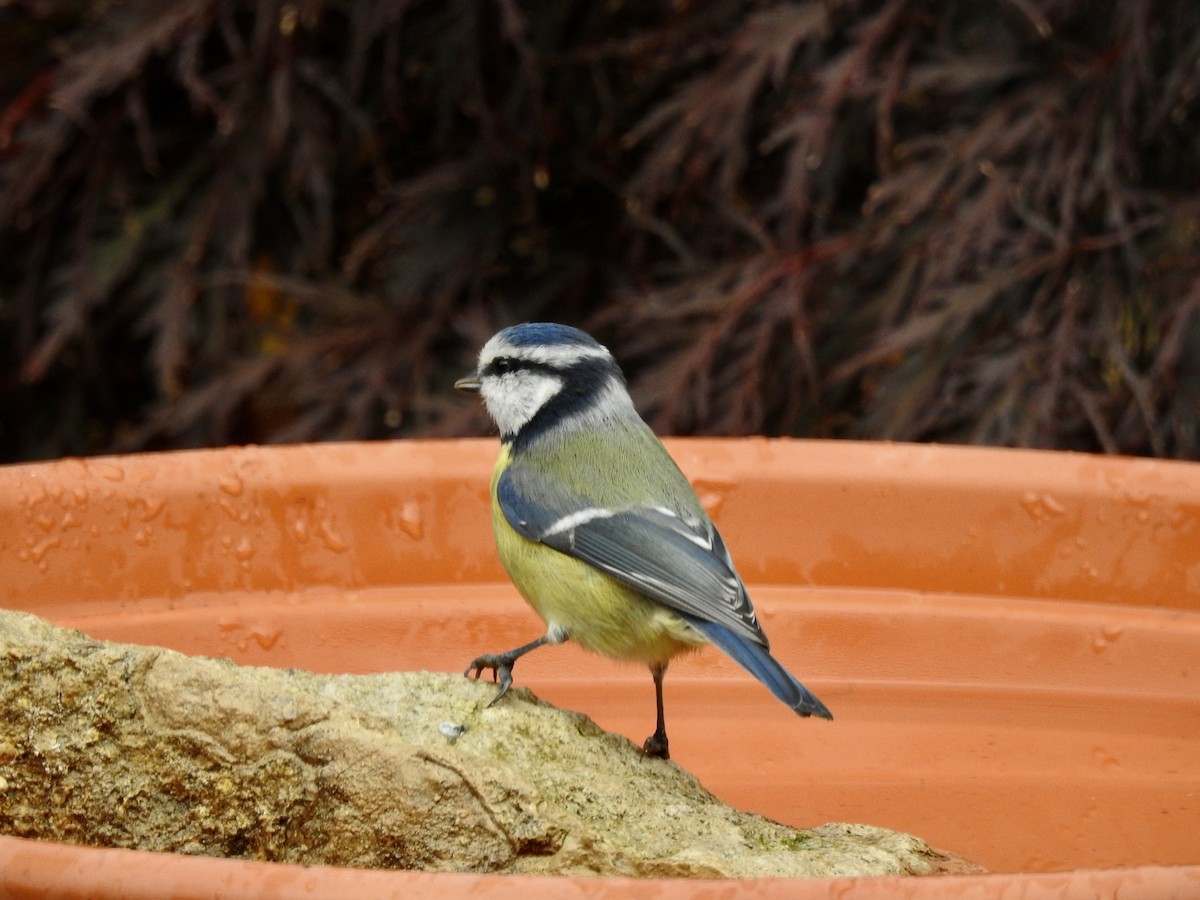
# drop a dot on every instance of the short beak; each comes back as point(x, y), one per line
point(469, 382)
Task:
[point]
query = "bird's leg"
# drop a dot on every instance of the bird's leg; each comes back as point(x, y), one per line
point(656, 744)
point(501, 664)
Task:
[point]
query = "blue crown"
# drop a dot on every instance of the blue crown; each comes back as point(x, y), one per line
point(541, 334)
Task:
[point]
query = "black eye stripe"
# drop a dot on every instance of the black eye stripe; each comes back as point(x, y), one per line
point(502, 365)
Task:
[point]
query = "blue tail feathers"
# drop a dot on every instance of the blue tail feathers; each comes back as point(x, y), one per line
point(756, 660)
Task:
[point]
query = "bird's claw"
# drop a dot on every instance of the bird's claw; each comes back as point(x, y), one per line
point(501, 666)
point(656, 746)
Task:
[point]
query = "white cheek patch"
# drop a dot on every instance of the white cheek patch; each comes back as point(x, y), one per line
point(513, 399)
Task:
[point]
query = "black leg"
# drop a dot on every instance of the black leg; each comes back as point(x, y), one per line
point(501, 665)
point(656, 744)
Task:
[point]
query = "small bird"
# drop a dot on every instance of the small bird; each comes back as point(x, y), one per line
point(598, 528)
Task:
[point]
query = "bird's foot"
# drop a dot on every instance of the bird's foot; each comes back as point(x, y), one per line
point(656, 746)
point(501, 665)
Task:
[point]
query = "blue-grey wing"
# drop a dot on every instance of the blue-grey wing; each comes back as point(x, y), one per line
point(677, 560)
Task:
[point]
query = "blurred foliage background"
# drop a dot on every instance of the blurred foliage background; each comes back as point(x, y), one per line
point(225, 221)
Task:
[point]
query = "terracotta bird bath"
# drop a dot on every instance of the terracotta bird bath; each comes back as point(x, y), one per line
point(1009, 641)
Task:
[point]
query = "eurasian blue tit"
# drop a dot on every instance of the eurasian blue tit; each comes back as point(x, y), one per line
point(598, 528)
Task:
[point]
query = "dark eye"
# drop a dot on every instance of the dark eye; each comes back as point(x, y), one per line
point(502, 365)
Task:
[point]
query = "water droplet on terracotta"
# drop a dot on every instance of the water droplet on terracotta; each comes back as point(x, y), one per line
point(232, 485)
point(712, 494)
point(244, 549)
point(266, 637)
point(1105, 760)
point(149, 509)
point(242, 516)
point(300, 529)
point(1108, 636)
point(1041, 507)
point(37, 551)
point(331, 538)
point(408, 519)
point(1053, 506)
point(234, 632)
point(141, 537)
point(109, 471)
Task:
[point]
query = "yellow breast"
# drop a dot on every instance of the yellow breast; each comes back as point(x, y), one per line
point(594, 609)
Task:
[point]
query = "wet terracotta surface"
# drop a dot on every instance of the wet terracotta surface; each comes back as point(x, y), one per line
point(1009, 641)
